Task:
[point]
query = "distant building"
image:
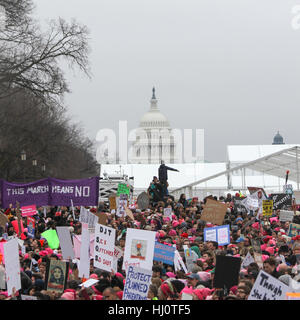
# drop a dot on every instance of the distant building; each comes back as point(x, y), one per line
point(278, 139)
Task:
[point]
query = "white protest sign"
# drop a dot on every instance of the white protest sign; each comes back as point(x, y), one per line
point(84, 265)
point(83, 217)
point(188, 258)
point(88, 283)
point(223, 235)
point(210, 234)
point(285, 215)
point(139, 249)
point(252, 202)
point(65, 242)
point(12, 265)
point(2, 277)
point(248, 259)
point(180, 262)
point(267, 287)
point(104, 247)
point(26, 297)
point(137, 283)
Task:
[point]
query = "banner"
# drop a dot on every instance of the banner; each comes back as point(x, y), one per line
point(137, 284)
point(52, 192)
point(164, 253)
point(267, 287)
point(219, 234)
point(281, 200)
point(104, 247)
point(214, 212)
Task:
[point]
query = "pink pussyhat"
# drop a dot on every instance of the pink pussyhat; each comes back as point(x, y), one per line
point(187, 290)
point(270, 250)
point(264, 257)
point(172, 233)
point(255, 225)
point(274, 219)
point(263, 247)
point(175, 224)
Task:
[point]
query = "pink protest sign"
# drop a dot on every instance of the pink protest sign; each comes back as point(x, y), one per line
point(28, 211)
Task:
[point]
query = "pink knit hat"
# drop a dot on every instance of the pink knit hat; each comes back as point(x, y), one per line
point(255, 225)
point(172, 233)
point(270, 250)
point(68, 295)
point(264, 257)
point(263, 247)
point(175, 224)
point(170, 274)
point(94, 276)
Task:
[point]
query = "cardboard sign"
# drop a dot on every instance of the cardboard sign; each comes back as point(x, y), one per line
point(267, 208)
point(294, 230)
point(112, 202)
point(143, 201)
point(65, 242)
point(104, 247)
point(227, 272)
point(219, 234)
point(102, 218)
point(137, 283)
point(286, 215)
point(57, 272)
point(267, 287)
point(129, 213)
point(12, 265)
point(123, 189)
point(139, 249)
point(164, 253)
point(214, 212)
point(281, 200)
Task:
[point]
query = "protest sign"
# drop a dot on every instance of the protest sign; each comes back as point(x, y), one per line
point(281, 200)
point(253, 190)
point(164, 253)
point(227, 272)
point(28, 211)
point(89, 283)
point(129, 213)
point(188, 258)
point(65, 242)
point(77, 241)
point(122, 203)
point(238, 205)
point(104, 247)
point(118, 253)
point(219, 234)
point(12, 265)
point(252, 203)
point(52, 238)
point(26, 297)
point(137, 283)
point(168, 212)
point(178, 262)
point(267, 287)
point(247, 260)
point(15, 224)
point(294, 230)
point(31, 227)
point(255, 243)
point(84, 215)
point(288, 189)
point(123, 189)
point(139, 249)
point(2, 276)
point(57, 275)
point(52, 192)
point(297, 196)
point(143, 200)
point(267, 208)
point(112, 202)
point(285, 215)
point(214, 212)
point(84, 265)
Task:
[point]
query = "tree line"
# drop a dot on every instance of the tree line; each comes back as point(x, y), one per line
point(33, 117)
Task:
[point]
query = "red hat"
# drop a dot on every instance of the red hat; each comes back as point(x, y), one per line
point(266, 239)
point(120, 294)
point(94, 210)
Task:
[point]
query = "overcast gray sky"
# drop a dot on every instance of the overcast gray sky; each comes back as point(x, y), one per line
point(230, 67)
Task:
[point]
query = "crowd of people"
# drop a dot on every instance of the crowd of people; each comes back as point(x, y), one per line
point(280, 253)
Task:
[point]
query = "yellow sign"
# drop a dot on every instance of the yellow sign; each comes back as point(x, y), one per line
point(267, 208)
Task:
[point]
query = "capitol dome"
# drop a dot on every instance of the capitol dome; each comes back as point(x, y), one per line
point(278, 139)
point(154, 118)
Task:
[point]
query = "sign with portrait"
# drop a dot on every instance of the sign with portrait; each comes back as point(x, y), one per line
point(57, 274)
